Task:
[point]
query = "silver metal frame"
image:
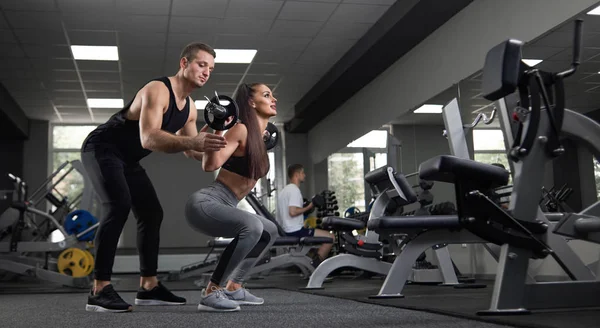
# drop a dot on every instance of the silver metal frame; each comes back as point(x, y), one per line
point(512, 294)
point(295, 256)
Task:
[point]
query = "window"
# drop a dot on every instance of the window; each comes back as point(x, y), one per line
point(489, 148)
point(493, 158)
point(346, 178)
point(66, 147)
point(488, 140)
point(377, 161)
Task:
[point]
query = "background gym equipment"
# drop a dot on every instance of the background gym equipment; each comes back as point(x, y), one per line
point(523, 230)
point(271, 136)
point(218, 110)
point(37, 258)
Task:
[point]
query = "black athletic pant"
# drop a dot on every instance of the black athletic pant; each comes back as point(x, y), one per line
point(122, 187)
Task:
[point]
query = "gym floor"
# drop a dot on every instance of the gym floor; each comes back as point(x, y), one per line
point(344, 301)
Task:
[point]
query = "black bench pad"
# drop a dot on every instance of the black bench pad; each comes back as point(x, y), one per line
point(341, 224)
point(286, 241)
point(412, 222)
point(446, 168)
point(315, 240)
point(280, 241)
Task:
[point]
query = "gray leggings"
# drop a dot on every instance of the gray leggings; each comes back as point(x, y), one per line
point(212, 211)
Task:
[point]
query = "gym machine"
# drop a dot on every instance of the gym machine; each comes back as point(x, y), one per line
point(523, 232)
point(73, 263)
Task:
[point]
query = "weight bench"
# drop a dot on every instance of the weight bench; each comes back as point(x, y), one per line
point(430, 231)
point(390, 188)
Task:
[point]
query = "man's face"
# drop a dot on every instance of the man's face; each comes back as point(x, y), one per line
point(198, 70)
point(301, 175)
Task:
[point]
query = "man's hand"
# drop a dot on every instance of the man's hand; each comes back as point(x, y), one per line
point(205, 141)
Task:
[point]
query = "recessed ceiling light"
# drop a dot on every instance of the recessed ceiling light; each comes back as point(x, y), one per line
point(95, 52)
point(595, 11)
point(105, 103)
point(532, 62)
point(429, 109)
point(235, 56)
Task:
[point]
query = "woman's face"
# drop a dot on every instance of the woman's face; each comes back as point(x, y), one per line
point(263, 101)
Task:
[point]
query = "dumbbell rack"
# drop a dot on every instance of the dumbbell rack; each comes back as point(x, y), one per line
point(328, 206)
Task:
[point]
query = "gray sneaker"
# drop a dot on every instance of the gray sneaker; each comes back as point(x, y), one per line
point(217, 301)
point(243, 297)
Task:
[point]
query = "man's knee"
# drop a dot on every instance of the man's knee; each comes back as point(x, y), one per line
point(324, 233)
point(119, 209)
point(151, 215)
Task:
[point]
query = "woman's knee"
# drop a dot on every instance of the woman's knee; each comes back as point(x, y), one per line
point(252, 230)
point(271, 228)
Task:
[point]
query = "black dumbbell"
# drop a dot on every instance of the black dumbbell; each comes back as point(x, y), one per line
point(318, 201)
point(271, 136)
point(216, 114)
point(305, 204)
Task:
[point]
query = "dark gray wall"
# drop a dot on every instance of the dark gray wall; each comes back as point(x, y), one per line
point(451, 53)
point(175, 177)
point(37, 154)
point(11, 161)
point(321, 173)
point(296, 152)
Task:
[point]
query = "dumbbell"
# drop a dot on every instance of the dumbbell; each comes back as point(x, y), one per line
point(306, 203)
point(218, 110)
point(271, 136)
point(318, 201)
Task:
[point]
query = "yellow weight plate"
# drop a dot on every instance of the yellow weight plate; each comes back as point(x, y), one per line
point(92, 261)
point(74, 262)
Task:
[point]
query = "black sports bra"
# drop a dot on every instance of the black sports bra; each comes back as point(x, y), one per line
point(237, 164)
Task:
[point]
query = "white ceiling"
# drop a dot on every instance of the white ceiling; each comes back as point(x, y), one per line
point(555, 49)
point(297, 42)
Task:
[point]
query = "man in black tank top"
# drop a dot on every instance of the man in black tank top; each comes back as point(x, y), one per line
point(161, 117)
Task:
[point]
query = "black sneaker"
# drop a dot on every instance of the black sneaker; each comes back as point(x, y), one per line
point(107, 300)
point(159, 295)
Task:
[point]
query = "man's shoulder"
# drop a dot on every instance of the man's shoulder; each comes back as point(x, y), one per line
point(291, 187)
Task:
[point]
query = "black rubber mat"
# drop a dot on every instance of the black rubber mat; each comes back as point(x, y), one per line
point(462, 303)
point(282, 308)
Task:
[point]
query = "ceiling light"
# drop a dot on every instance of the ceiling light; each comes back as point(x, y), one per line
point(95, 52)
point(235, 56)
point(105, 103)
point(595, 11)
point(429, 109)
point(532, 62)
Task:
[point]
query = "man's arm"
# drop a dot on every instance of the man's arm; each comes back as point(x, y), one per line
point(296, 203)
point(295, 210)
point(155, 98)
point(189, 130)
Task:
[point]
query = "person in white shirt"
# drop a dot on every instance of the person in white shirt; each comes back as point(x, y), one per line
point(291, 209)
